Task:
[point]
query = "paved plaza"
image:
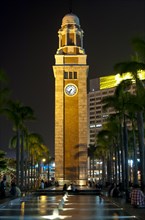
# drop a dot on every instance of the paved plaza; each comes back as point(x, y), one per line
point(77, 206)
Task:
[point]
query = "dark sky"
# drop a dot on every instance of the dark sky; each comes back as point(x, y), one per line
point(29, 40)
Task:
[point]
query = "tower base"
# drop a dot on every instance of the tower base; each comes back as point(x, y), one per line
point(76, 182)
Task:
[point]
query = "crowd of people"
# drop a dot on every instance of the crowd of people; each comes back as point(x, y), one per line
point(6, 190)
point(115, 190)
point(48, 183)
point(72, 187)
point(135, 196)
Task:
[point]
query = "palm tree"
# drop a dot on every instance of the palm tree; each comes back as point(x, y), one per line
point(36, 151)
point(134, 67)
point(105, 147)
point(108, 143)
point(133, 148)
point(132, 108)
point(119, 101)
point(4, 91)
point(18, 113)
point(138, 45)
point(3, 162)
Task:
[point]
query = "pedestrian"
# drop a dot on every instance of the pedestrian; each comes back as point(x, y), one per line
point(18, 191)
point(115, 191)
point(42, 184)
point(13, 189)
point(64, 187)
point(110, 188)
point(73, 187)
point(137, 197)
point(2, 189)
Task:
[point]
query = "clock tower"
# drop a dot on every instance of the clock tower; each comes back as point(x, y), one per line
point(70, 72)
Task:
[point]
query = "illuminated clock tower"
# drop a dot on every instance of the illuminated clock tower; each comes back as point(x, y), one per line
point(70, 72)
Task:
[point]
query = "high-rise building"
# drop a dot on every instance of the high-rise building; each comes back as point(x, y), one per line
point(97, 116)
point(70, 72)
point(98, 89)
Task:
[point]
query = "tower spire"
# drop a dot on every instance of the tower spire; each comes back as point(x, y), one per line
point(70, 6)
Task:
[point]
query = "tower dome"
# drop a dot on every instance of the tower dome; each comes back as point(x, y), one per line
point(70, 19)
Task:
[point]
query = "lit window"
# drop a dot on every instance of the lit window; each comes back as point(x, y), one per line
point(105, 116)
point(92, 126)
point(98, 125)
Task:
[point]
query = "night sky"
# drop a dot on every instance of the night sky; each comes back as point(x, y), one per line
point(29, 40)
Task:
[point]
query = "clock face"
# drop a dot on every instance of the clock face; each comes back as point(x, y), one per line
point(71, 89)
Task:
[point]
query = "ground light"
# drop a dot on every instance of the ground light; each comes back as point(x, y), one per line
point(56, 210)
point(55, 216)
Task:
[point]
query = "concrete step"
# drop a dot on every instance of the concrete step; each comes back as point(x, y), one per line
point(61, 192)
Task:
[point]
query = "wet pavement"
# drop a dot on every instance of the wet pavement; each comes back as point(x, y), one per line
point(87, 207)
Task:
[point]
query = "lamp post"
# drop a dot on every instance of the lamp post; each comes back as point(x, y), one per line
point(42, 170)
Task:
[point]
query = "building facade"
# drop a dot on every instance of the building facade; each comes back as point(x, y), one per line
point(97, 116)
point(70, 72)
point(98, 89)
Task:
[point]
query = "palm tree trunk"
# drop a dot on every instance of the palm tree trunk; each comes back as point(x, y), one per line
point(93, 166)
point(18, 157)
point(39, 173)
point(35, 175)
point(122, 157)
point(135, 166)
point(90, 165)
point(103, 171)
point(141, 145)
point(26, 165)
point(109, 173)
point(48, 176)
point(126, 154)
point(31, 168)
point(29, 176)
point(111, 164)
point(118, 156)
point(99, 170)
point(116, 178)
point(22, 160)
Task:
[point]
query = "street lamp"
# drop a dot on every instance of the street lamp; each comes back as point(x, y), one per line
point(43, 160)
